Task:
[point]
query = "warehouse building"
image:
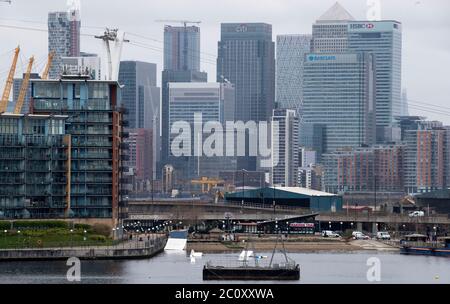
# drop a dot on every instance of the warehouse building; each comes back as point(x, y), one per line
point(289, 196)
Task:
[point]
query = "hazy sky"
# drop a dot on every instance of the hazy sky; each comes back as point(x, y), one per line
point(426, 32)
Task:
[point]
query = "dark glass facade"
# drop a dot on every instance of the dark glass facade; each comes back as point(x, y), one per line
point(94, 123)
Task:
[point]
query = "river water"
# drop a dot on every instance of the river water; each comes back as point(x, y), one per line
point(176, 268)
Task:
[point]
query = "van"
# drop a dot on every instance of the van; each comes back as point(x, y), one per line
point(383, 235)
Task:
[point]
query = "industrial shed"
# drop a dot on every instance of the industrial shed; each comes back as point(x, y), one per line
point(289, 196)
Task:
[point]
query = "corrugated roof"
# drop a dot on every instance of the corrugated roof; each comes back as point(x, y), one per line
point(304, 191)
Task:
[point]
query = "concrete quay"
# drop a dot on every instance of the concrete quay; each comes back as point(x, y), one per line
point(126, 250)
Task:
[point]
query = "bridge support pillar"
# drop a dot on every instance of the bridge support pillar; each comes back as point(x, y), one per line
point(359, 226)
point(374, 228)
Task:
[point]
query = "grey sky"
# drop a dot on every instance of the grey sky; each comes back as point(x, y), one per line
point(426, 32)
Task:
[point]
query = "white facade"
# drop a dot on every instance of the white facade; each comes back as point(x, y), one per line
point(284, 147)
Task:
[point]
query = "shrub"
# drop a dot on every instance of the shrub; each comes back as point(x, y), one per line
point(97, 237)
point(101, 229)
point(5, 225)
point(82, 226)
point(40, 224)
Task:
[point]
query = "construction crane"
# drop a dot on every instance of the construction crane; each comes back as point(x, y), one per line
point(185, 42)
point(51, 55)
point(207, 183)
point(9, 82)
point(23, 88)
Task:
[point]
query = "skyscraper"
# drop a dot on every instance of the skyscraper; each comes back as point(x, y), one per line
point(172, 76)
point(181, 64)
point(215, 103)
point(339, 94)
point(182, 48)
point(291, 50)
point(285, 153)
point(63, 37)
point(140, 97)
point(246, 58)
point(337, 31)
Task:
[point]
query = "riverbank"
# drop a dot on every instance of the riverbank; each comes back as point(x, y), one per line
point(298, 245)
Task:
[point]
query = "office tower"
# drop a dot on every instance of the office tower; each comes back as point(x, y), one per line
point(377, 168)
point(291, 50)
point(339, 94)
point(85, 64)
point(63, 37)
point(215, 103)
point(337, 31)
point(35, 166)
point(140, 154)
point(17, 83)
point(284, 147)
point(246, 59)
point(140, 97)
point(171, 76)
point(95, 126)
point(182, 48)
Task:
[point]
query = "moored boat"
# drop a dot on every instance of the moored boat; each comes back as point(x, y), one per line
point(418, 244)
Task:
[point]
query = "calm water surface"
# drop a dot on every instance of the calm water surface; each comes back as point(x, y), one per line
point(172, 268)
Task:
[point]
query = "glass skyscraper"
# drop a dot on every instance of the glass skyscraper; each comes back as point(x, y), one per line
point(291, 50)
point(63, 38)
point(182, 48)
point(215, 103)
point(337, 31)
point(339, 94)
point(246, 58)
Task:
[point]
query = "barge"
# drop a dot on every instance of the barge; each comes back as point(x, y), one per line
point(418, 244)
point(257, 273)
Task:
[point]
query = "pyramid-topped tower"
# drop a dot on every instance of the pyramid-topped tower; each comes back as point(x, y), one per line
point(336, 13)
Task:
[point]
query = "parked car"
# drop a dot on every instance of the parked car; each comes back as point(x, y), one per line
point(329, 233)
point(416, 214)
point(383, 235)
point(361, 236)
point(355, 233)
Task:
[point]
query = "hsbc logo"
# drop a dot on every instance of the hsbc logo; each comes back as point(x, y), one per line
point(361, 26)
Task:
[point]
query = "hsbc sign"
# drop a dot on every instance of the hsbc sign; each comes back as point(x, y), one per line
point(361, 26)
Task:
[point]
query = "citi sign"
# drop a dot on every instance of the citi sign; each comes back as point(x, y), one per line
point(362, 26)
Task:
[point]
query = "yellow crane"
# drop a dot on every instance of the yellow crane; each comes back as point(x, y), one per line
point(23, 88)
point(207, 183)
point(9, 82)
point(51, 55)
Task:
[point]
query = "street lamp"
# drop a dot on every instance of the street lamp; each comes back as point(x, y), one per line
point(5, 231)
point(329, 224)
point(341, 225)
point(71, 238)
point(18, 232)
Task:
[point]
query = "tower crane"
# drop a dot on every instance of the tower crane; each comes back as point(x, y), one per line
point(51, 55)
point(185, 42)
point(9, 82)
point(23, 88)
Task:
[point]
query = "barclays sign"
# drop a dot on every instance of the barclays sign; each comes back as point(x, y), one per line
point(321, 57)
